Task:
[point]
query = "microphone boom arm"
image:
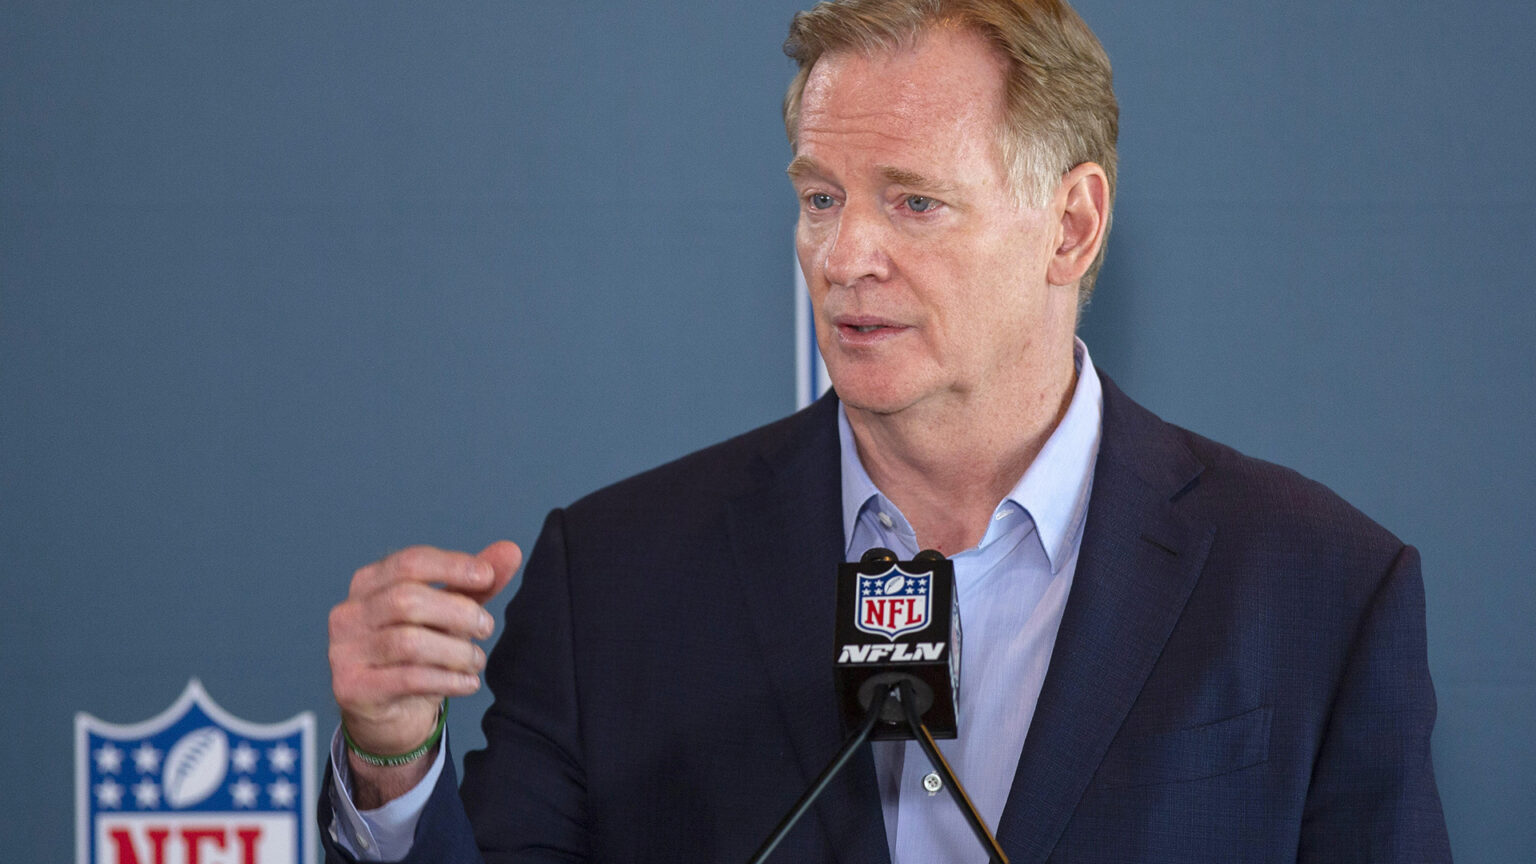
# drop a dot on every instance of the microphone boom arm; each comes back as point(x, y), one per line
point(936, 759)
point(833, 768)
point(908, 698)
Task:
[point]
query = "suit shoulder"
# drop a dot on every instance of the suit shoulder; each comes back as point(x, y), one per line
point(1216, 483)
point(1257, 497)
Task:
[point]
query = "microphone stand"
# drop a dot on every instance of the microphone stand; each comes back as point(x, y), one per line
point(936, 759)
point(908, 700)
point(859, 736)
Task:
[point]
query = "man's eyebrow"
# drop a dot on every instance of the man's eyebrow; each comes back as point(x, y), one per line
point(802, 166)
point(914, 180)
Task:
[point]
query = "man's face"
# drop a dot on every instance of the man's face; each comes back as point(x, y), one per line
point(927, 278)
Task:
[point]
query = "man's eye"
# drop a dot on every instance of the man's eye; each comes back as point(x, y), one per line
point(820, 201)
point(920, 203)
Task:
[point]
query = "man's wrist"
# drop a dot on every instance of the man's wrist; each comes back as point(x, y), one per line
point(396, 760)
point(381, 824)
point(373, 786)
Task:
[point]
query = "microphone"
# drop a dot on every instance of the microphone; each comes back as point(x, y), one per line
point(898, 621)
point(897, 672)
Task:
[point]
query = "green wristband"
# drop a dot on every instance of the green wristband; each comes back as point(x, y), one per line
point(403, 758)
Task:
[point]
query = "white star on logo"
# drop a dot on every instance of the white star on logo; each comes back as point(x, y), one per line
point(146, 794)
point(109, 794)
point(243, 757)
point(282, 793)
point(146, 758)
point(244, 792)
point(108, 759)
point(282, 758)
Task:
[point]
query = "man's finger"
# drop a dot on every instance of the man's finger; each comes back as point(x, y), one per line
point(424, 606)
point(504, 557)
point(427, 565)
point(363, 691)
point(420, 646)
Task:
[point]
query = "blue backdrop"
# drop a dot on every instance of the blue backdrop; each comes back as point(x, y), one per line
point(285, 286)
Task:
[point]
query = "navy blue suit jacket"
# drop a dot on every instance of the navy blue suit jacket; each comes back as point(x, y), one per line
point(1240, 673)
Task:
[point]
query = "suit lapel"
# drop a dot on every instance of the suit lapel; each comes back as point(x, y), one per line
point(787, 533)
point(1138, 564)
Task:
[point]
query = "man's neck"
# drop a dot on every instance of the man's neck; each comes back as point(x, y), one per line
point(948, 467)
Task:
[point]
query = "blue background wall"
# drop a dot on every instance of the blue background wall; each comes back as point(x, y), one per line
point(285, 286)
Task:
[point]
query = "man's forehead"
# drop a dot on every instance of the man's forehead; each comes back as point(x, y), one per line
point(908, 114)
point(941, 75)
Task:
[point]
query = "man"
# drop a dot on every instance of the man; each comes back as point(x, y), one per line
point(1172, 652)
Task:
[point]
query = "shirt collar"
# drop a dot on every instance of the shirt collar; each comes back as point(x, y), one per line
point(1053, 491)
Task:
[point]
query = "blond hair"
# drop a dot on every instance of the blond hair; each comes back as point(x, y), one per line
point(1059, 110)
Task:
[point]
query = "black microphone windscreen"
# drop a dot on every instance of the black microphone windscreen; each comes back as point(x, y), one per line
point(895, 622)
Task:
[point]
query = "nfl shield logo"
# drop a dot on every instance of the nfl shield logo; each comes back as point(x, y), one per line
point(194, 785)
point(893, 603)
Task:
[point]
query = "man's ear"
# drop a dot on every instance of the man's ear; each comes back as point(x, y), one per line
point(1082, 200)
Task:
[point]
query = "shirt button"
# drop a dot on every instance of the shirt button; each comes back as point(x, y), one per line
point(886, 520)
point(363, 841)
point(932, 783)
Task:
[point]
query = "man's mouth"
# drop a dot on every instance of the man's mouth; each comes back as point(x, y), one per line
point(867, 331)
point(863, 324)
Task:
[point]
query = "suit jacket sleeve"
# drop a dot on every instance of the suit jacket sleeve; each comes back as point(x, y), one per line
point(525, 792)
point(1372, 795)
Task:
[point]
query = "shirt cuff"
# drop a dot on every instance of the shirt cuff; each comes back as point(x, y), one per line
point(384, 834)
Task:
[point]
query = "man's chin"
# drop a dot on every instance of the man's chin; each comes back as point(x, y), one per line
point(880, 400)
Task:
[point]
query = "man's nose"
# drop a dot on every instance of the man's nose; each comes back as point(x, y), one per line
point(857, 249)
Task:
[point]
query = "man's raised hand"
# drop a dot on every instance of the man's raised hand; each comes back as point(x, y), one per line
point(404, 639)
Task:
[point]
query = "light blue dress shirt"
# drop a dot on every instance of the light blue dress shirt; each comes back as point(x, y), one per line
point(1012, 590)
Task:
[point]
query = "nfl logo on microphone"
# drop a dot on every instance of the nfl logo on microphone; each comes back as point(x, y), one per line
point(194, 785)
point(893, 603)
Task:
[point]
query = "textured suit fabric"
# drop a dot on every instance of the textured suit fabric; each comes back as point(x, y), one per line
point(1240, 673)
